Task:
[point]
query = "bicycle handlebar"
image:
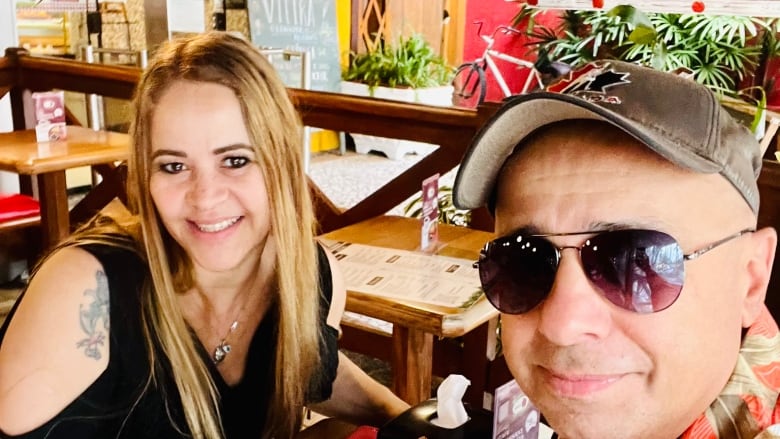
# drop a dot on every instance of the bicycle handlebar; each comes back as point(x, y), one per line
point(507, 30)
point(502, 28)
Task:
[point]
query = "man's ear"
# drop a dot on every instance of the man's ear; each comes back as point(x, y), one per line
point(764, 244)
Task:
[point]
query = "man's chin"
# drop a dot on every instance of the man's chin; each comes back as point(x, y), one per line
point(612, 426)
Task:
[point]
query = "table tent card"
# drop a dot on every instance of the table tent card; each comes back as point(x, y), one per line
point(514, 415)
point(429, 234)
point(49, 115)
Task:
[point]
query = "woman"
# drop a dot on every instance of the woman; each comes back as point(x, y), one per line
point(210, 312)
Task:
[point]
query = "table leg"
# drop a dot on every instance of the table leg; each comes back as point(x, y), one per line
point(26, 185)
point(412, 364)
point(475, 364)
point(53, 196)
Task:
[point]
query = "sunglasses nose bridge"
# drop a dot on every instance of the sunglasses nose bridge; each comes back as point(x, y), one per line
point(575, 247)
point(559, 251)
point(559, 256)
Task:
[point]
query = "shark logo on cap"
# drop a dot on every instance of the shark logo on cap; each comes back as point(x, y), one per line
point(592, 83)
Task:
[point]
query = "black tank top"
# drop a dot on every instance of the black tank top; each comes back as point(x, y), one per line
point(122, 403)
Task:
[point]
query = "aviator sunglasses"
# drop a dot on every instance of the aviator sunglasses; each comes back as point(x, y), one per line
point(637, 270)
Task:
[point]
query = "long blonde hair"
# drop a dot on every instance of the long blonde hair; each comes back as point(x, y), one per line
point(275, 130)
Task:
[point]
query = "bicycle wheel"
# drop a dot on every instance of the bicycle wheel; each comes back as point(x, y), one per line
point(469, 85)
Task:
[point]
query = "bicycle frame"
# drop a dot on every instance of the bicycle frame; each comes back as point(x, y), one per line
point(490, 53)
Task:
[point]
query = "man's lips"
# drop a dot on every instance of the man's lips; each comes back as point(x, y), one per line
point(577, 385)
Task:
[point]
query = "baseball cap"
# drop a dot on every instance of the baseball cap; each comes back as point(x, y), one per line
point(676, 117)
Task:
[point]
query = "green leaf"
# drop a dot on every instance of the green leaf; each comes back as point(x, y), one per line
point(631, 15)
point(409, 63)
point(643, 35)
point(659, 59)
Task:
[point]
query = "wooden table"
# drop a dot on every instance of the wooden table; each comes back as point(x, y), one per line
point(47, 162)
point(415, 324)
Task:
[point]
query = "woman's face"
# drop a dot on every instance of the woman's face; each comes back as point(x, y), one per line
point(205, 180)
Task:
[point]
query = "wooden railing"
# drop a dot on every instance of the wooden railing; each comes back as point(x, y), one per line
point(450, 128)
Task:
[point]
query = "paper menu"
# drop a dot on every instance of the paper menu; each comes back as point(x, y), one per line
point(419, 277)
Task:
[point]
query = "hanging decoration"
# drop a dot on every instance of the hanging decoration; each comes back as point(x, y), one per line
point(753, 8)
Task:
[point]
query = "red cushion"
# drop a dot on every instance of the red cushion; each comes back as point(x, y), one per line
point(18, 206)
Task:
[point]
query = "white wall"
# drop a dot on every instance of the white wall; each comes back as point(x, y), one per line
point(8, 38)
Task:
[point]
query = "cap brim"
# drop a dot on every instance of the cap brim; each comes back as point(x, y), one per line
point(522, 115)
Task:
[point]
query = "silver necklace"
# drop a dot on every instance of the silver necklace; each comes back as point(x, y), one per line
point(223, 348)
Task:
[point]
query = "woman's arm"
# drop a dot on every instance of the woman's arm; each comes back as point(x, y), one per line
point(359, 399)
point(57, 342)
point(356, 397)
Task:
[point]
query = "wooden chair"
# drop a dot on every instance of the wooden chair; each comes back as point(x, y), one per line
point(19, 228)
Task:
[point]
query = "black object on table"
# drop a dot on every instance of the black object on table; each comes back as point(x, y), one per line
point(416, 422)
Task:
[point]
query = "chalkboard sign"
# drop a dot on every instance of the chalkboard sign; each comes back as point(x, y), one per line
point(299, 25)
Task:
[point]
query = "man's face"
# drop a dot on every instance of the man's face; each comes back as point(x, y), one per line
point(596, 370)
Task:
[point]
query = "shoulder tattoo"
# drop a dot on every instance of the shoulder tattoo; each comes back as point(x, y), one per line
point(93, 317)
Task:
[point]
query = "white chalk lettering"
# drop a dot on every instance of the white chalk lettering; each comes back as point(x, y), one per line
point(289, 12)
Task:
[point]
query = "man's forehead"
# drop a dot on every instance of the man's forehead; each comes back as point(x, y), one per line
point(593, 151)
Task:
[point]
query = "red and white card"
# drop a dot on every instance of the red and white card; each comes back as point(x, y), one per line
point(49, 116)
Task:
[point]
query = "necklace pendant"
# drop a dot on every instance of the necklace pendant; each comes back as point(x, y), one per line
point(220, 352)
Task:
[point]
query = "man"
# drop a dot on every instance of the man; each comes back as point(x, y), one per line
point(629, 273)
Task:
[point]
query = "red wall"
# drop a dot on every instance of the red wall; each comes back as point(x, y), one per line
point(496, 13)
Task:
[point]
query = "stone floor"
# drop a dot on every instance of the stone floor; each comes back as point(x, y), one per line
point(348, 179)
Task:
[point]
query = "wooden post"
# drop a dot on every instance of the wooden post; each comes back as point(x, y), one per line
point(454, 32)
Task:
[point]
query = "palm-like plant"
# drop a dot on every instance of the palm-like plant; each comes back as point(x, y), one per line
point(719, 50)
point(448, 213)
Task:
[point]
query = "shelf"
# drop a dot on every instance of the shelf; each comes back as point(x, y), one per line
point(43, 33)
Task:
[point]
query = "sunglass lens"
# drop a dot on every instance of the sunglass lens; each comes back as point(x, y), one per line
point(517, 272)
point(638, 270)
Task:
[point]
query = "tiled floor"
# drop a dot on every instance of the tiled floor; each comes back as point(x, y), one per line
point(347, 179)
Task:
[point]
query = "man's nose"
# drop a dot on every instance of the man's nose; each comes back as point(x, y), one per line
point(574, 311)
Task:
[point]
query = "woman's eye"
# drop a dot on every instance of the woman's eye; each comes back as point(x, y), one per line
point(235, 162)
point(172, 168)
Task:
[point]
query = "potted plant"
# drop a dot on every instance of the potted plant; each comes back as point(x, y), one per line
point(408, 71)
